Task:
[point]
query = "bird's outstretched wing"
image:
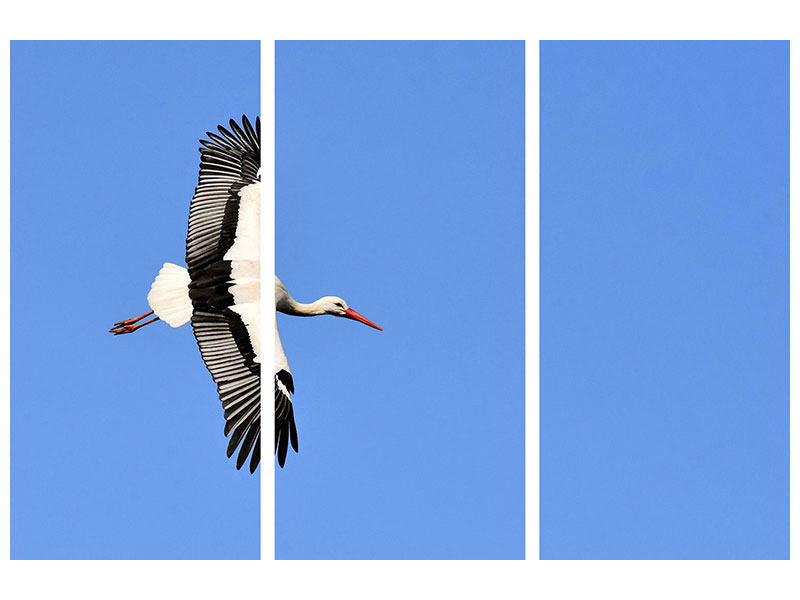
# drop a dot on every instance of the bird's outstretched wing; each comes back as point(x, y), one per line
point(228, 162)
point(221, 338)
point(222, 254)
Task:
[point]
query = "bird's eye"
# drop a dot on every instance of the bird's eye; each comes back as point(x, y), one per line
point(339, 304)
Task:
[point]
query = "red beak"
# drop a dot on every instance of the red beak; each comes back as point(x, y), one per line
point(351, 314)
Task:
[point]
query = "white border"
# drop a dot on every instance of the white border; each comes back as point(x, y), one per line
point(5, 299)
point(794, 366)
point(532, 299)
point(267, 469)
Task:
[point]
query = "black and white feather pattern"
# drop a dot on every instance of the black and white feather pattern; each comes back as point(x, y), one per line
point(238, 378)
point(228, 163)
point(285, 428)
point(228, 335)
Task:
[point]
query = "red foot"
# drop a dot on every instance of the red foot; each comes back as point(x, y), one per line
point(128, 326)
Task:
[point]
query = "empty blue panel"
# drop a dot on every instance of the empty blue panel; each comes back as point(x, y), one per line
point(664, 300)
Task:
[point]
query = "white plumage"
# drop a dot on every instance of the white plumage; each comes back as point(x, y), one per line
point(169, 295)
point(245, 257)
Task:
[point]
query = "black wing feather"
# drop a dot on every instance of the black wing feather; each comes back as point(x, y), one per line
point(228, 162)
point(238, 383)
point(285, 428)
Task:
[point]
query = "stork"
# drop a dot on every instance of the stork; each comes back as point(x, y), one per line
point(285, 429)
point(220, 292)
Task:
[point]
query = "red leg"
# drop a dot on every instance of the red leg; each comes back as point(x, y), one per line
point(128, 326)
point(132, 321)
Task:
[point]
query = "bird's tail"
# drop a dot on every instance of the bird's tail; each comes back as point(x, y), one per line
point(169, 295)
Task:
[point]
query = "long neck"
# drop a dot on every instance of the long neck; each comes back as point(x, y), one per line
point(290, 306)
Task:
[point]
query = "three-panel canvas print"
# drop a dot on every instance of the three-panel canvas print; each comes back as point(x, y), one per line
point(398, 170)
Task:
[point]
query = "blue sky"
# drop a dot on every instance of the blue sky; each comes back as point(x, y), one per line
point(117, 448)
point(400, 182)
point(664, 300)
point(400, 187)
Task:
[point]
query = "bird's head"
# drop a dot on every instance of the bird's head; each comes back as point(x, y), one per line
point(333, 305)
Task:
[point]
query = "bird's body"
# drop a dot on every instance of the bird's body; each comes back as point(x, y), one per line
point(219, 292)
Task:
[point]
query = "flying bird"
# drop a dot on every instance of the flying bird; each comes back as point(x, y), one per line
point(285, 429)
point(220, 293)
